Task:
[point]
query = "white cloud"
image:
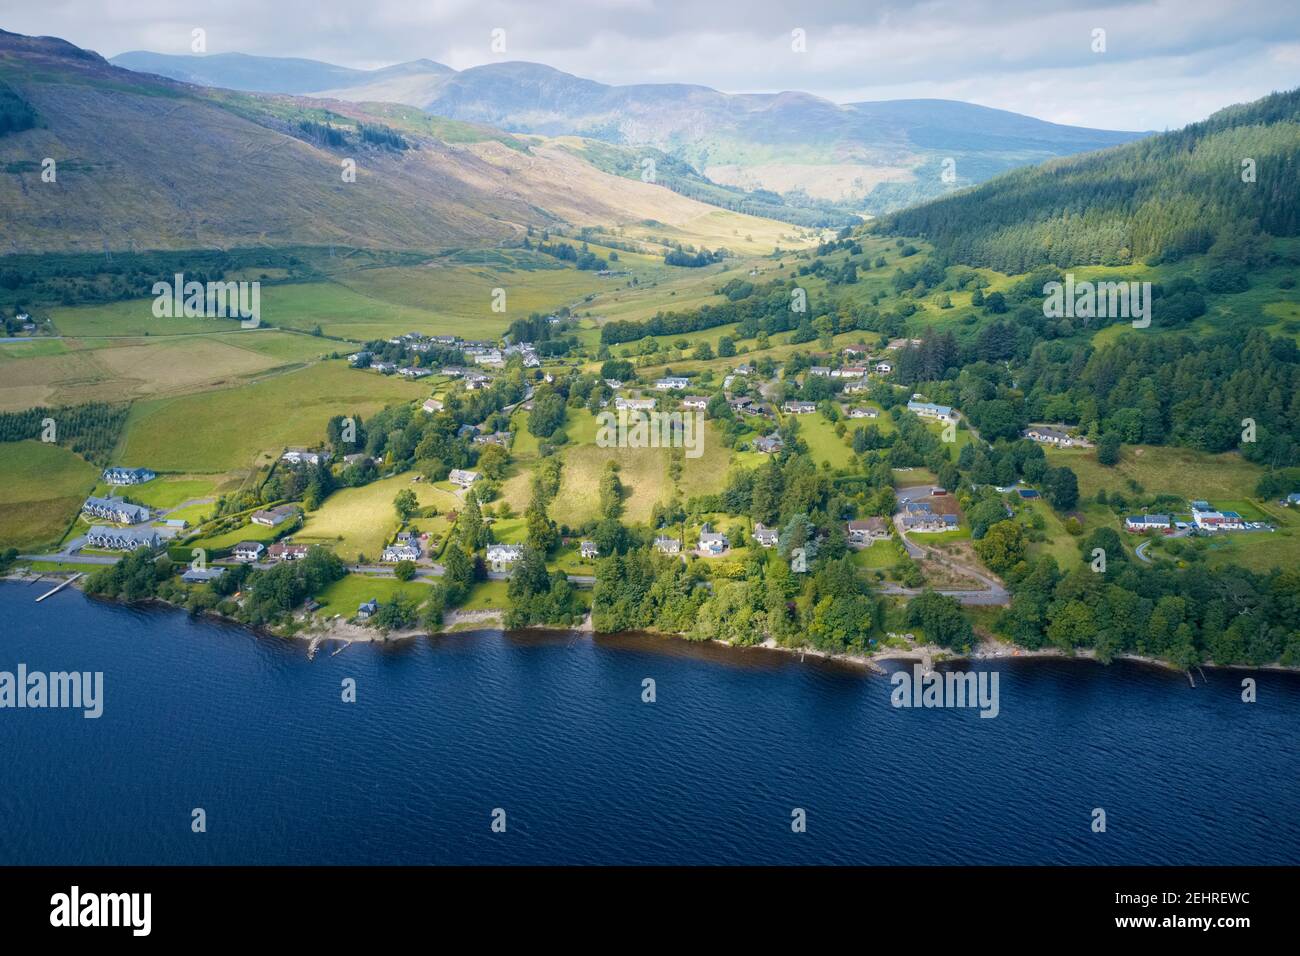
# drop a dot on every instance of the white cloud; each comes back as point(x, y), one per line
point(1167, 62)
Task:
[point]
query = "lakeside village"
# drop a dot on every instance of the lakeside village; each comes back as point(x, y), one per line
point(447, 535)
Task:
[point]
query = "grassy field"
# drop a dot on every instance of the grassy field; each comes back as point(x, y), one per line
point(1163, 469)
point(42, 487)
point(356, 521)
point(344, 595)
point(487, 596)
point(880, 555)
point(238, 427)
point(165, 491)
point(823, 444)
point(642, 471)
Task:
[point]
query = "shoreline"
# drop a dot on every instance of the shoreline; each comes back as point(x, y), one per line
point(460, 621)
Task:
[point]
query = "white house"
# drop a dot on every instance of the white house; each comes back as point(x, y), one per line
point(1141, 523)
point(799, 408)
point(856, 386)
point(463, 478)
point(822, 371)
point(1049, 436)
point(248, 550)
point(275, 516)
point(432, 405)
point(883, 368)
point(408, 550)
point(501, 557)
point(300, 456)
point(589, 550)
point(667, 545)
point(765, 536)
point(698, 402)
point(671, 382)
point(127, 476)
point(284, 551)
point(635, 404)
point(712, 542)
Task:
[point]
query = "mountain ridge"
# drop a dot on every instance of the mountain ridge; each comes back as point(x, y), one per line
point(868, 156)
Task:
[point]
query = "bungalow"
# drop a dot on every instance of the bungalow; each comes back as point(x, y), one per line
point(769, 444)
point(489, 357)
point(857, 386)
point(823, 371)
point(384, 368)
point(931, 410)
point(496, 438)
point(367, 608)
point(635, 404)
point(500, 557)
point(412, 371)
point(128, 476)
point(671, 382)
point(699, 402)
point(201, 575)
point(284, 551)
point(883, 368)
point(853, 350)
point(359, 358)
point(408, 550)
point(867, 530)
point(589, 550)
point(1147, 523)
point(799, 408)
point(926, 523)
point(1048, 436)
point(744, 370)
point(860, 412)
point(477, 380)
point(712, 542)
point(275, 516)
point(850, 371)
point(453, 371)
point(301, 456)
point(248, 550)
point(667, 545)
point(614, 383)
point(765, 536)
point(115, 509)
point(463, 478)
point(108, 538)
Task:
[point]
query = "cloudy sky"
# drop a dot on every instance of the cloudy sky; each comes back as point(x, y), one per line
point(1165, 63)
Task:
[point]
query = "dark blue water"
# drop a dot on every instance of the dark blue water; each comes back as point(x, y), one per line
point(552, 729)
